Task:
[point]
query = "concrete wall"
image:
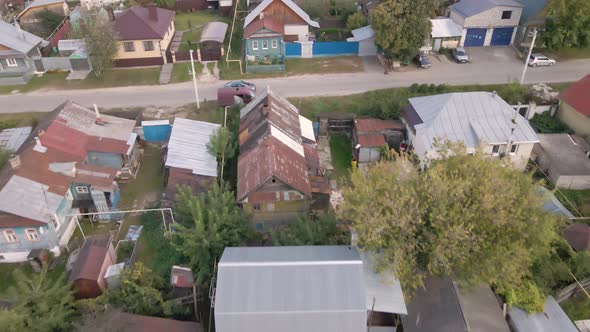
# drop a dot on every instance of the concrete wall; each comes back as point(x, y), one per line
point(160, 47)
point(491, 18)
point(575, 120)
point(579, 182)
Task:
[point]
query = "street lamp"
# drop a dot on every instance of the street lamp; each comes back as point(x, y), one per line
point(526, 60)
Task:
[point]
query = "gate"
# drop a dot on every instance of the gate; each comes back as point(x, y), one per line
point(210, 51)
point(475, 37)
point(292, 49)
point(501, 36)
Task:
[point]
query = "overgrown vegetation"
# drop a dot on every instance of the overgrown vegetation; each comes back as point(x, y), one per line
point(356, 20)
point(544, 123)
point(577, 308)
point(161, 255)
point(49, 21)
point(308, 231)
point(4, 156)
point(341, 151)
point(579, 198)
point(567, 25)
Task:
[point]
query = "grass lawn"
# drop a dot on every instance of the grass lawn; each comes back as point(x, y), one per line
point(579, 198)
point(576, 308)
point(193, 36)
point(343, 64)
point(571, 53)
point(110, 78)
point(181, 71)
point(341, 150)
point(186, 21)
point(13, 120)
point(8, 281)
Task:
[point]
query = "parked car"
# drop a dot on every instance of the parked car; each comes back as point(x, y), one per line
point(241, 84)
point(227, 96)
point(460, 55)
point(424, 61)
point(539, 59)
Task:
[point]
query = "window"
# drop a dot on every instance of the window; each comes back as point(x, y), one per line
point(257, 207)
point(55, 222)
point(10, 236)
point(11, 62)
point(129, 47)
point(506, 15)
point(275, 43)
point(514, 148)
point(255, 44)
point(32, 234)
point(495, 149)
point(265, 44)
point(81, 190)
point(148, 45)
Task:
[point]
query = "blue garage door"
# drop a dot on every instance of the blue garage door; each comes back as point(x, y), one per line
point(501, 36)
point(475, 37)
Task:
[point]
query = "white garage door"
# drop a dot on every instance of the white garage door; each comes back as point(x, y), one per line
point(367, 47)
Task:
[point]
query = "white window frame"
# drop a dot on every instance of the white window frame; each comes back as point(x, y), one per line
point(515, 148)
point(497, 153)
point(274, 43)
point(128, 43)
point(55, 222)
point(255, 45)
point(32, 234)
point(263, 43)
point(148, 42)
point(11, 62)
point(82, 190)
point(10, 236)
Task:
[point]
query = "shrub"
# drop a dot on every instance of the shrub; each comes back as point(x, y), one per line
point(526, 296)
point(356, 20)
point(414, 87)
point(544, 123)
point(423, 88)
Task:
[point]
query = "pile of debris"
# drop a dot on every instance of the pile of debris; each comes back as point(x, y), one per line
point(542, 94)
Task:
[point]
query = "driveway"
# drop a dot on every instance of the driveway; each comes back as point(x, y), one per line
point(489, 66)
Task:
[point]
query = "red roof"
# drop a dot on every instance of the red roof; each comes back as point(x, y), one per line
point(135, 23)
point(271, 158)
point(578, 236)
point(267, 22)
point(63, 138)
point(578, 96)
point(372, 124)
point(8, 220)
point(103, 144)
point(371, 140)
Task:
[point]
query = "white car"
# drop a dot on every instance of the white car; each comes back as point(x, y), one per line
point(540, 60)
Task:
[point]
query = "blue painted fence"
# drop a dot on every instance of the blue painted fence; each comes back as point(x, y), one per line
point(156, 131)
point(335, 48)
point(293, 49)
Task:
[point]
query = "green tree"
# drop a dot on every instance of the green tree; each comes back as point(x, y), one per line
point(101, 40)
point(524, 294)
point(567, 24)
point(465, 216)
point(401, 26)
point(12, 321)
point(223, 146)
point(355, 21)
point(41, 303)
point(49, 21)
point(311, 232)
point(207, 224)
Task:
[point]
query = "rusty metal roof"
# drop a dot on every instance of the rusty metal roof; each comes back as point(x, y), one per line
point(371, 140)
point(91, 258)
point(372, 124)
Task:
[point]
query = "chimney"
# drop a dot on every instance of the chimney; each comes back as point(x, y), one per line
point(98, 120)
point(15, 162)
point(153, 12)
point(19, 32)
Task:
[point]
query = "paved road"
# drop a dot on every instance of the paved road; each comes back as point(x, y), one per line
point(489, 66)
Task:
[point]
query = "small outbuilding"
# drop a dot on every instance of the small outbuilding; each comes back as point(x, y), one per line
point(188, 161)
point(565, 158)
point(552, 319)
point(211, 41)
point(365, 36)
point(445, 34)
point(370, 135)
point(88, 273)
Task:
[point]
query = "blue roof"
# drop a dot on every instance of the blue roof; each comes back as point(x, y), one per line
point(472, 7)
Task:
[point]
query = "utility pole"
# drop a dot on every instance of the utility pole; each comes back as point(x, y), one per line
point(526, 61)
point(194, 79)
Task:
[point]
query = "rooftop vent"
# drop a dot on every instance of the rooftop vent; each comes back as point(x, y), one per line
point(15, 162)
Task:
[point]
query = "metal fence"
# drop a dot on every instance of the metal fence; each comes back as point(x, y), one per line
point(293, 49)
point(324, 49)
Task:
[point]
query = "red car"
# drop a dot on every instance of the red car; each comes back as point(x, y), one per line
point(227, 96)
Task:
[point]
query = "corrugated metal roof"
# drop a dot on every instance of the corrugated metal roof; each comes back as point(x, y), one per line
point(214, 31)
point(473, 118)
point(444, 28)
point(552, 319)
point(376, 125)
point(20, 41)
point(287, 288)
point(383, 290)
point(29, 199)
point(187, 147)
point(300, 12)
point(84, 120)
point(472, 7)
point(552, 204)
point(577, 96)
point(371, 140)
point(13, 138)
point(363, 33)
point(306, 128)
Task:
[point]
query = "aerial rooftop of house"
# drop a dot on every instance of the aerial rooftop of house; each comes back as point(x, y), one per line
point(473, 118)
point(444, 27)
point(17, 39)
point(139, 22)
point(577, 96)
point(255, 14)
point(473, 7)
point(552, 319)
point(569, 153)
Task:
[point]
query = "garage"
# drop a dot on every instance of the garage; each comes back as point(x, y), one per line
point(502, 36)
point(475, 37)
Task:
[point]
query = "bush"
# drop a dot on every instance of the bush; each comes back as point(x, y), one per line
point(544, 123)
point(526, 296)
point(423, 88)
point(414, 88)
point(355, 21)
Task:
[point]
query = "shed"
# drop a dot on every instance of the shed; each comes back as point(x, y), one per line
point(552, 319)
point(566, 159)
point(290, 289)
point(156, 130)
point(188, 161)
point(365, 36)
point(95, 256)
point(211, 41)
point(370, 134)
point(12, 139)
point(445, 33)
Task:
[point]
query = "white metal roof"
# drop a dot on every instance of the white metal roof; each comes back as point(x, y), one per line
point(11, 139)
point(254, 13)
point(84, 120)
point(17, 39)
point(552, 319)
point(29, 199)
point(306, 128)
point(473, 118)
point(147, 123)
point(187, 147)
point(444, 28)
point(70, 44)
point(214, 31)
point(363, 33)
point(383, 290)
